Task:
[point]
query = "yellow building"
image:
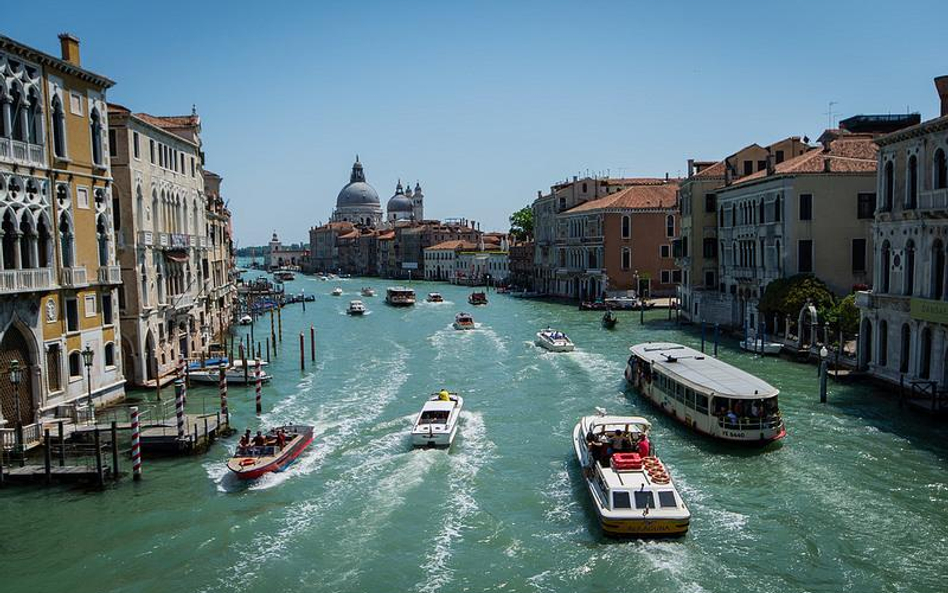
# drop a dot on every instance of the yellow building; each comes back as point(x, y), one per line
point(59, 274)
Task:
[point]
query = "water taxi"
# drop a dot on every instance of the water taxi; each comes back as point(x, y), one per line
point(706, 394)
point(477, 298)
point(609, 320)
point(633, 495)
point(463, 321)
point(437, 424)
point(234, 373)
point(554, 341)
point(250, 462)
point(759, 346)
point(368, 291)
point(435, 297)
point(399, 296)
point(356, 308)
point(336, 291)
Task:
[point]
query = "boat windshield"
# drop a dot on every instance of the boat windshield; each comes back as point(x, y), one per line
point(267, 451)
point(434, 417)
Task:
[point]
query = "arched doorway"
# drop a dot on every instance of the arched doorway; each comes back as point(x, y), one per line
point(128, 361)
point(14, 346)
point(925, 363)
point(865, 344)
point(149, 363)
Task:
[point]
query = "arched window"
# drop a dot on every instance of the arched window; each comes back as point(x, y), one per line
point(102, 239)
point(670, 226)
point(886, 266)
point(59, 128)
point(888, 188)
point(18, 114)
point(154, 211)
point(940, 177)
point(911, 193)
point(110, 354)
point(75, 364)
point(44, 242)
point(139, 209)
point(116, 212)
point(925, 362)
point(761, 215)
point(66, 241)
point(882, 355)
point(626, 258)
point(626, 226)
point(938, 270)
point(777, 209)
point(95, 127)
point(906, 348)
point(34, 119)
point(9, 242)
point(909, 283)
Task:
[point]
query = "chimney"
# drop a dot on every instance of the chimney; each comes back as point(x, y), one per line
point(539, 194)
point(771, 168)
point(941, 84)
point(69, 46)
point(826, 165)
point(691, 167)
point(666, 176)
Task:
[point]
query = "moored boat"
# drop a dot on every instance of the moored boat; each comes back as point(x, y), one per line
point(235, 374)
point(554, 341)
point(368, 291)
point(437, 424)
point(706, 394)
point(250, 462)
point(435, 297)
point(245, 320)
point(463, 321)
point(356, 308)
point(400, 296)
point(759, 346)
point(633, 494)
point(478, 298)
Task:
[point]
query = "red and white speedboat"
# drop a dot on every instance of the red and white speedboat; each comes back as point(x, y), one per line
point(251, 462)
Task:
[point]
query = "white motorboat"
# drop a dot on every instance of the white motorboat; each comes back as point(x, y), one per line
point(632, 491)
point(761, 347)
point(356, 308)
point(234, 374)
point(463, 321)
point(245, 320)
point(437, 424)
point(554, 341)
point(368, 291)
point(400, 296)
point(337, 291)
point(284, 275)
point(435, 297)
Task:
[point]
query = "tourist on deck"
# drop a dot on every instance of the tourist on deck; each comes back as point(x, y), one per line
point(731, 417)
point(616, 443)
point(281, 439)
point(259, 440)
point(644, 447)
point(244, 440)
point(755, 410)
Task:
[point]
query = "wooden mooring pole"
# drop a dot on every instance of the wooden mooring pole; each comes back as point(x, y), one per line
point(302, 353)
point(100, 476)
point(268, 348)
point(62, 444)
point(136, 444)
point(259, 375)
point(115, 451)
point(280, 321)
point(312, 343)
point(47, 457)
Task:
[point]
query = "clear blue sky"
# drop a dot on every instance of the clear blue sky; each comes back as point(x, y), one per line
point(487, 102)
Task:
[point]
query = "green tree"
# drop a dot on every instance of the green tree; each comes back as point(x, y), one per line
point(845, 315)
point(521, 223)
point(786, 296)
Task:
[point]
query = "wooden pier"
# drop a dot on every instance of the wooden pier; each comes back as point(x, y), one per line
point(161, 437)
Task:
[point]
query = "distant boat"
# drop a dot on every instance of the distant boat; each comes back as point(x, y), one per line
point(356, 308)
point(337, 291)
point(477, 298)
point(437, 424)
point(368, 291)
point(435, 297)
point(245, 320)
point(768, 348)
point(609, 320)
point(399, 296)
point(554, 341)
point(463, 321)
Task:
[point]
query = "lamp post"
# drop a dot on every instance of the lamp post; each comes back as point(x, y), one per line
point(16, 375)
point(87, 355)
point(824, 354)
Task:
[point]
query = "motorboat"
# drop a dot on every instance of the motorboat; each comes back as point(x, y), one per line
point(592, 306)
point(463, 321)
point(235, 373)
point(245, 320)
point(554, 341)
point(284, 275)
point(706, 394)
point(633, 494)
point(399, 296)
point(759, 346)
point(609, 320)
point(356, 308)
point(368, 291)
point(437, 424)
point(435, 297)
point(250, 462)
point(336, 291)
point(477, 298)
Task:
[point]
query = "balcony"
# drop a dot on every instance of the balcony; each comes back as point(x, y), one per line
point(25, 280)
point(180, 241)
point(110, 275)
point(22, 152)
point(146, 238)
point(936, 199)
point(202, 242)
point(74, 277)
point(163, 239)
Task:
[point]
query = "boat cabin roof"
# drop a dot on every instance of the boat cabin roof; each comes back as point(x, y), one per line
point(401, 289)
point(439, 405)
point(610, 423)
point(703, 373)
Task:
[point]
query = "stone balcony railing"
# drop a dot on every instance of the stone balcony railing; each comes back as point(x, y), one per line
point(110, 275)
point(22, 152)
point(894, 302)
point(73, 277)
point(25, 280)
point(146, 238)
point(935, 199)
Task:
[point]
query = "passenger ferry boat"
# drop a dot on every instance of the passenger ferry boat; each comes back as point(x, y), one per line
point(284, 275)
point(707, 395)
point(634, 496)
point(368, 291)
point(399, 296)
point(435, 297)
point(463, 321)
point(251, 462)
point(554, 341)
point(356, 308)
point(477, 298)
point(437, 424)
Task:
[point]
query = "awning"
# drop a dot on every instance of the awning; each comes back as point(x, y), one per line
point(177, 256)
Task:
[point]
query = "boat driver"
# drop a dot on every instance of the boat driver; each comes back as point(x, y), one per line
point(444, 395)
point(259, 440)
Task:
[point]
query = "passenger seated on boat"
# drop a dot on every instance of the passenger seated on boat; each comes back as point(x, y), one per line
point(731, 417)
point(244, 440)
point(616, 443)
point(259, 440)
point(755, 410)
point(444, 395)
point(281, 439)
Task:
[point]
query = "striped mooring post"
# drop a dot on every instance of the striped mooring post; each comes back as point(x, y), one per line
point(259, 373)
point(223, 389)
point(136, 444)
point(181, 376)
point(179, 406)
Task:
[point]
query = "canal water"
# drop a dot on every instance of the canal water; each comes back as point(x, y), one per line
point(853, 499)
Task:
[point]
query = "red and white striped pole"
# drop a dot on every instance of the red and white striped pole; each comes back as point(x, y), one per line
point(223, 388)
point(136, 445)
point(259, 385)
point(179, 405)
point(184, 384)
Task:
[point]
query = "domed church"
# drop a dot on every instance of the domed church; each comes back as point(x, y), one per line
point(400, 206)
point(358, 202)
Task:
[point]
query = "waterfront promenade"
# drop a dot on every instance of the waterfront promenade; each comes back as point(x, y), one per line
point(852, 499)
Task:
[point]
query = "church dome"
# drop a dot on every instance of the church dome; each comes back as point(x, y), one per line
point(357, 192)
point(399, 202)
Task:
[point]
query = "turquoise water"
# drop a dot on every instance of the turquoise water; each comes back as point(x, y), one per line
point(852, 500)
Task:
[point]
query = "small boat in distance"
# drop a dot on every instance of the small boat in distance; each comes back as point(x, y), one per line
point(400, 296)
point(554, 341)
point(368, 291)
point(250, 462)
point(233, 374)
point(609, 320)
point(284, 275)
point(435, 297)
point(245, 320)
point(463, 321)
point(437, 424)
point(337, 291)
point(356, 308)
point(759, 346)
point(478, 298)
point(633, 495)
point(707, 395)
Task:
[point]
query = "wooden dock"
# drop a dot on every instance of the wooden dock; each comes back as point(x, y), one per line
point(35, 474)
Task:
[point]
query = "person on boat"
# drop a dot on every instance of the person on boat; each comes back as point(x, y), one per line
point(281, 439)
point(444, 395)
point(259, 440)
point(244, 440)
point(755, 410)
point(643, 447)
point(595, 446)
point(616, 443)
point(731, 417)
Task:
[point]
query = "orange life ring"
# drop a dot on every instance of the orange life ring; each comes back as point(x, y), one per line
point(661, 479)
point(246, 461)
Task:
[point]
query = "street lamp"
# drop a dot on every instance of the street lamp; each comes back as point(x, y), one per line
point(16, 375)
point(87, 355)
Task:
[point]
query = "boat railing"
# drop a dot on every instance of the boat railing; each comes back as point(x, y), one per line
point(768, 423)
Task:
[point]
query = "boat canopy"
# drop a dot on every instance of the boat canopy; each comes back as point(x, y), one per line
point(607, 423)
point(439, 405)
point(704, 374)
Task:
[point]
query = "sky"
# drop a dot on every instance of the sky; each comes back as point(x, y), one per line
point(487, 102)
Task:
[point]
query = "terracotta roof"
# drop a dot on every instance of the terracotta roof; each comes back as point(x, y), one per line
point(715, 170)
point(846, 154)
point(637, 197)
point(450, 245)
point(387, 236)
point(353, 234)
point(116, 108)
point(170, 122)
